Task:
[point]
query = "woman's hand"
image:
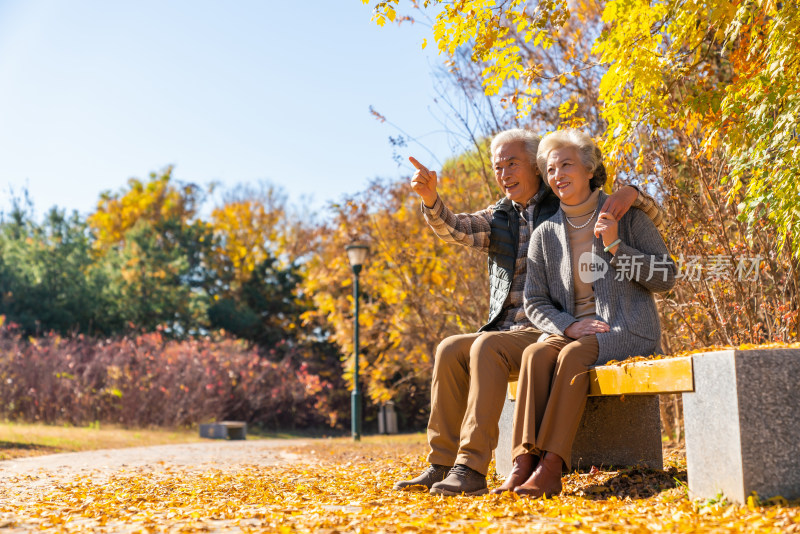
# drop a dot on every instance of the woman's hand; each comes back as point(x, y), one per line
point(424, 183)
point(607, 227)
point(586, 327)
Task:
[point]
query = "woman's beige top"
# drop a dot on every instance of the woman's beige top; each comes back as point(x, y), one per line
point(580, 241)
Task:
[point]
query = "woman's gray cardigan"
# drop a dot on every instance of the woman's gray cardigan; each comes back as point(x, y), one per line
point(627, 305)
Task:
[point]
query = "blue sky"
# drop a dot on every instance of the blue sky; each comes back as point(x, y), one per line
point(95, 92)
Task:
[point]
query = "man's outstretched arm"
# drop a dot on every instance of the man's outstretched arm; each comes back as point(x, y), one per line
point(470, 229)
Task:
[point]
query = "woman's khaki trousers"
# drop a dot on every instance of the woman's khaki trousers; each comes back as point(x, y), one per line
point(551, 395)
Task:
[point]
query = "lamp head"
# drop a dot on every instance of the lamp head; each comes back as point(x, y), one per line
point(357, 254)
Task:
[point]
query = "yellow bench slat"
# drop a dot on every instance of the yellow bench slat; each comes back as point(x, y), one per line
point(651, 377)
point(670, 375)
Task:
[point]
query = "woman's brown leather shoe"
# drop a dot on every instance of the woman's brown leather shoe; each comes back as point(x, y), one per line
point(545, 480)
point(522, 469)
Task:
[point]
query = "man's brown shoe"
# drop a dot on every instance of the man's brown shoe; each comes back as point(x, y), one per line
point(522, 470)
point(461, 480)
point(545, 480)
point(434, 473)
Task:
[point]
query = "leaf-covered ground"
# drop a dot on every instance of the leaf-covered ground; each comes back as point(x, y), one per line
point(341, 486)
point(705, 349)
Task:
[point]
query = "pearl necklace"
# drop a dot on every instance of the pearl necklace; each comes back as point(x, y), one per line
point(584, 225)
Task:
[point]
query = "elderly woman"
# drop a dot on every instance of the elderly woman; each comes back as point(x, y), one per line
point(590, 285)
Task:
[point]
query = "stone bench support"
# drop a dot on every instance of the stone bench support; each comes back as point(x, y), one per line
point(742, 424)
point(614, 431)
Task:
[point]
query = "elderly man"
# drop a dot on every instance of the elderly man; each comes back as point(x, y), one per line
point(471, 371)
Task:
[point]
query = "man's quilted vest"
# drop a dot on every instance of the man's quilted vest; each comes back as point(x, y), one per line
point(504, 246)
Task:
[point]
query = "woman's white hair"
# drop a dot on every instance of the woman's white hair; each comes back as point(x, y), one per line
point(590, 155)
point(530, 139)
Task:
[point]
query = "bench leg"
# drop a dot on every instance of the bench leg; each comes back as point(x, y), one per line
point(503, 461)
point(742, 424)
point(614, 431)
point(619, 431)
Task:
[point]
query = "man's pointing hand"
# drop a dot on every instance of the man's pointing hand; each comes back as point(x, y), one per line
point(424, 183)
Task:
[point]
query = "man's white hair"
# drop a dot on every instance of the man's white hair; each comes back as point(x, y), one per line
point(530, 139)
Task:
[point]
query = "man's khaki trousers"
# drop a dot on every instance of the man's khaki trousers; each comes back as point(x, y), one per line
point(470, 380)
point(551, 395)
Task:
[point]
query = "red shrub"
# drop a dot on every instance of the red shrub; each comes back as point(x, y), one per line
point(150, 381)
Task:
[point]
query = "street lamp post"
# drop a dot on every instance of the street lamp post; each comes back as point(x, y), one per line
point(357, 254)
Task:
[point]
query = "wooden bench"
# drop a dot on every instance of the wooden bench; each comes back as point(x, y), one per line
point(741, 420)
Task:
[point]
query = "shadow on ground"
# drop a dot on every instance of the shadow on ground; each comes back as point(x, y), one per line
point(633, 483)
point(11, 449)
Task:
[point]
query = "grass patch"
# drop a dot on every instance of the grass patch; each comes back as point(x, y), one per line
point(23, 439)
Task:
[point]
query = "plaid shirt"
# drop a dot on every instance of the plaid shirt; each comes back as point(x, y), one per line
point(473, 230)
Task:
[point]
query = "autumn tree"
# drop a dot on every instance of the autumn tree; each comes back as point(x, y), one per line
point(727, 71)
point(154, 248)
point(159, 200)
point(246, 226)
point(252, 293)
point(255, 267)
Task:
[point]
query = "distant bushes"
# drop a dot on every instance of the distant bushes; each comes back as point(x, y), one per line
point(148, 380)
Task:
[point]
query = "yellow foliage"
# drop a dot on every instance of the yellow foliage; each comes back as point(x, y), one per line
point(703, 350)
point(721, 72)
point(245, 230)
point(155, 201)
